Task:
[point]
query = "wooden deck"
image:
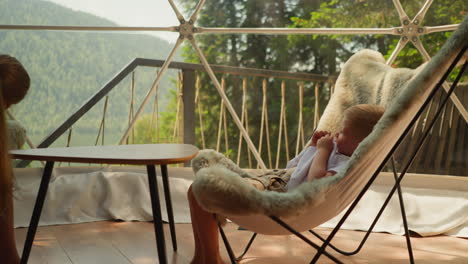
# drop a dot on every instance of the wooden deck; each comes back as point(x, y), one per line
point(133, 242)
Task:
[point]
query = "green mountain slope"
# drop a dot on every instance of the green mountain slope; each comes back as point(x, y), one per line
point(66, 68)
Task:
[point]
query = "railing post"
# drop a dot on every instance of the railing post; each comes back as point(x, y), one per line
point(188, 97)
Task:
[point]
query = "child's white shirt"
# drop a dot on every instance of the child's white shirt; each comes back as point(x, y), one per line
point(302, 162)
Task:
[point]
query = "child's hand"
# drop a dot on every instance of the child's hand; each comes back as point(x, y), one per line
point(325, 143)
point(317, 135)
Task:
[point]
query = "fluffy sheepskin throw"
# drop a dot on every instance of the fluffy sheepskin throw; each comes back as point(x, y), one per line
point(219, 186)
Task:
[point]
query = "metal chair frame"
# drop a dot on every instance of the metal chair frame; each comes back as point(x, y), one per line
point(396, 186)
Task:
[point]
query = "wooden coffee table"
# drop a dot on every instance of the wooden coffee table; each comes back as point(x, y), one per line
point(148, 154)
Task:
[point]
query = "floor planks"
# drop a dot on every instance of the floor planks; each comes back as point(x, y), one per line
point(134, 243)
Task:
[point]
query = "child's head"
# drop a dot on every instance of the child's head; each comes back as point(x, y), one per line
point(358, 122)
point(14, 81)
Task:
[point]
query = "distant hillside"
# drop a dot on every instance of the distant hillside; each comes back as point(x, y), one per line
point(68, 67)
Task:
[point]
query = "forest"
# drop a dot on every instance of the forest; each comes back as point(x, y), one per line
point(66, 68)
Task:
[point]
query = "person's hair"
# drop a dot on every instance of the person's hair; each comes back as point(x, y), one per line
point(6, 181)
point(14, 80)
point(14, 84)
point(363, 118)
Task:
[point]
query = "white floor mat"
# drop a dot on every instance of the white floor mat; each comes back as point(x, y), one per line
point(434, 204)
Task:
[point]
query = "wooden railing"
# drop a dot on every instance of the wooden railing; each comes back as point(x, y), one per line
point(445, 150)
point(190, 72)
point(277, 138)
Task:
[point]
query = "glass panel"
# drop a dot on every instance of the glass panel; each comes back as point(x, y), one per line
point(68, 67)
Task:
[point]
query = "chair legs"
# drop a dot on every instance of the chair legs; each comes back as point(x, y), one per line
point(396, 186)
point(405, 224)
point(249, 244)
point(327, 241)
point(305, 239)
point(232, 257)
point(403, 215)
point(412, 156)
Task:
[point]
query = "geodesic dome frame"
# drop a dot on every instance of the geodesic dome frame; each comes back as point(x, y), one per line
point(409, 31)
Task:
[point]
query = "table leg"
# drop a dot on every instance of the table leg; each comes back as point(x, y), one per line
point(170, 214)
point(157, 219)
point(37, 211)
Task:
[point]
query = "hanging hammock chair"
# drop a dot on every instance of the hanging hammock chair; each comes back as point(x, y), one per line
point(219, 186)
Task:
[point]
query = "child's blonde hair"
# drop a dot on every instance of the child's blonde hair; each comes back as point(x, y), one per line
point(363, 118)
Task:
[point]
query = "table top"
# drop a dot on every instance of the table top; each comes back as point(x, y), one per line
point(140, 154)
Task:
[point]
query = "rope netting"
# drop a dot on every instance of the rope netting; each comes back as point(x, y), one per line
point(282, 133)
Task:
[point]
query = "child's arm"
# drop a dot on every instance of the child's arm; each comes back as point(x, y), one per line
point(318, 168)
point(313, 143)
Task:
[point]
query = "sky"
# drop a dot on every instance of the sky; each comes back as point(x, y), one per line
point(156, 13)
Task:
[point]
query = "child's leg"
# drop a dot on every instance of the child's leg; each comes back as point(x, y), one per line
point(205, 232)
point(255, 182)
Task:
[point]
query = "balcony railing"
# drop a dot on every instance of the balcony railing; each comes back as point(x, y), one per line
point(286, 112)
point(189, 104)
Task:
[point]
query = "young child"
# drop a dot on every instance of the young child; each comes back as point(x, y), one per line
point(324, 157)
point(14, 84)
point(326, 154)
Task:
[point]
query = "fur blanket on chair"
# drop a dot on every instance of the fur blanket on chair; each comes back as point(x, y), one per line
point(365, 78)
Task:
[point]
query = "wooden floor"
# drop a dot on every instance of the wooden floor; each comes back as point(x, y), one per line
point(133, 242)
